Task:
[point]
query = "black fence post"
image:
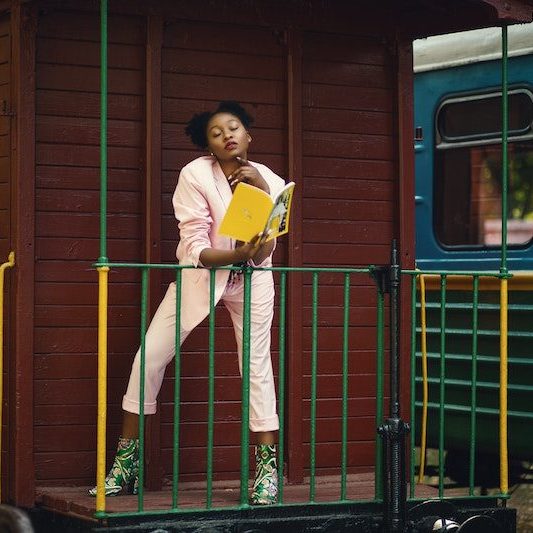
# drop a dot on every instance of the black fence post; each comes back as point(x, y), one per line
point(394, 430)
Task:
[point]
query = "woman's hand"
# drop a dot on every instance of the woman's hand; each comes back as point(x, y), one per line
point(247, 173)
point(253, 248)
point(257, 249)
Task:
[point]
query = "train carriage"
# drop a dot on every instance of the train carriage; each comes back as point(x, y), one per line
point(458, 210)
point(330, 85)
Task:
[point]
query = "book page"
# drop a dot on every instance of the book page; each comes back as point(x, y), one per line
point(278, 220)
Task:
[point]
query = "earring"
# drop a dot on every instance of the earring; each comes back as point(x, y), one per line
point(212, 153)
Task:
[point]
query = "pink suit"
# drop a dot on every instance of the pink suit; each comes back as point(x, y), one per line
point(200, 201)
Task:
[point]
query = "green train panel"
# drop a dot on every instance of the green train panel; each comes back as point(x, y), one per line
point(458, 371)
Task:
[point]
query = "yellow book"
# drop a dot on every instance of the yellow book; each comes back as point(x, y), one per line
point(252, 211)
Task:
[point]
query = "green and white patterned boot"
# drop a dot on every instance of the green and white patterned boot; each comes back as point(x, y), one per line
point(123, 478)
point(265, 489)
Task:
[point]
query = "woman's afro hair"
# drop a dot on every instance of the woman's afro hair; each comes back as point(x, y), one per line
point(197, 127)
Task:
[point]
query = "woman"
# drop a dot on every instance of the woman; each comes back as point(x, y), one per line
point(200, 201)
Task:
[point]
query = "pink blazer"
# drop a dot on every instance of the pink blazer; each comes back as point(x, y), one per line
point(200, 202)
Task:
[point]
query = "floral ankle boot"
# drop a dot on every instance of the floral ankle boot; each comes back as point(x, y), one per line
point(123, 478)
point(265, 489)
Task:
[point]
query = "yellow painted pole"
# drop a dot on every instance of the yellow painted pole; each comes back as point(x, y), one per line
point(423, 345)
point(504, 474)
point(102, 388)
point(10, 263)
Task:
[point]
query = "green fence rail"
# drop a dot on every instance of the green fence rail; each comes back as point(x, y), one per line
point(463, 357)
point(440, 380)
point(346, 276)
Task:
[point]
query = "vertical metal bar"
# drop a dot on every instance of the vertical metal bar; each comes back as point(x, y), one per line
point(505, 134)
point(103, 273)
point(245, 418)
point(177, 385)
point(103, 132)
point(345, 341)
point(473, 393)
point(380, 367)
point(395, 334)
point(504, 467)
point(281, 381)
point(395, 426)
point(211, 389)
point(504, 474)
point(314, 365)
point(425, 388)
point(144, 303)
point(413, 390)
point(442, 380)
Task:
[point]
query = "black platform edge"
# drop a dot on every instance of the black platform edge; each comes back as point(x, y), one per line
point(316, 518)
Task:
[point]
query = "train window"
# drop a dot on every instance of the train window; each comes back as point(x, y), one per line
point(468, 161)
point(468, 195)
point(480, 117)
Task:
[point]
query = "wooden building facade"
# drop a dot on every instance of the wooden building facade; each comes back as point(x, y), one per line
point(329, 84)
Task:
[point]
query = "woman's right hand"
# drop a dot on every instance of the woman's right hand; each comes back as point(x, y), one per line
point(248, 250)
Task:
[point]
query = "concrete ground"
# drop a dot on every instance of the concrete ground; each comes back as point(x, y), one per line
point(522, 501)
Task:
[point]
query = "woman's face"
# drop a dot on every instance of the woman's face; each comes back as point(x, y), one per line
point(227, 137)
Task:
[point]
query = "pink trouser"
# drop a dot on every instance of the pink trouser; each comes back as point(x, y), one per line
point(160, 342)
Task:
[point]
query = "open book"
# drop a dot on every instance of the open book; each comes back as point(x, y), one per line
point(252, 211)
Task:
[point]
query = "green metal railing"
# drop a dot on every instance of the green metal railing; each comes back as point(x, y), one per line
point(442, 357)
point(283, 273)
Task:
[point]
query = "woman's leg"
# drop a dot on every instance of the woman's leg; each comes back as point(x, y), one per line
point(263, 417)
point(263, 414)
point(159, 350)
point(130, 425)
point(266, 437)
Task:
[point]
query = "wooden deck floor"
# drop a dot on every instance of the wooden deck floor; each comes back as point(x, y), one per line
point(76, 501)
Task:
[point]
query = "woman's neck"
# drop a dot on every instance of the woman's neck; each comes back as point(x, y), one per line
point(228, 167)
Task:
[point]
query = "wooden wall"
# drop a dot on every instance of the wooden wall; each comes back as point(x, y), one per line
point(347, 210)
point(5, 198)
point(343, 91)
point(67, 230)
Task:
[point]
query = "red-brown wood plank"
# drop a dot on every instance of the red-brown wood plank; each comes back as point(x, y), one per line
point(241, 63)
point(76, 130)
point(87, 104)
point(87, 53)
point(79, 26)
point(24, 23)
point(229, 38)
point(86, 178)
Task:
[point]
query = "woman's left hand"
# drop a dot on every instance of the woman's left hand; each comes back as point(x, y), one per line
point(247, 173)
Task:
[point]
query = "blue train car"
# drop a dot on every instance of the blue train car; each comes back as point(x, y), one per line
point(458, 227)
point(458, 108)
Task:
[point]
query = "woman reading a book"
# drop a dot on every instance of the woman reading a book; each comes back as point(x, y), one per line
point(202, 195)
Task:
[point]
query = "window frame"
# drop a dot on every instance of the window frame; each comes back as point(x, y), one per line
point(471, 141)
point(442, 143)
